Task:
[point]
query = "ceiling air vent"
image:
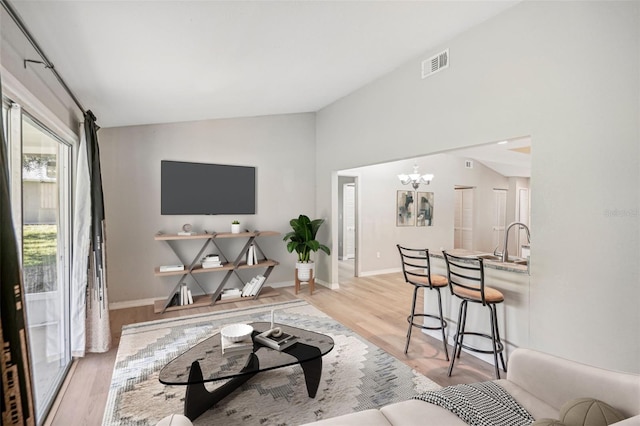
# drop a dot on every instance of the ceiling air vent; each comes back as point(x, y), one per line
point(435, 63)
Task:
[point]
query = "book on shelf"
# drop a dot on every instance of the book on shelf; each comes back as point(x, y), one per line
point(283, 341)
point(235, 348)
point(246, 290)
point(230, 293)
point(252, 258)
point(183, 297)
point(171, 268)
point(257, 286)
point(211, 261)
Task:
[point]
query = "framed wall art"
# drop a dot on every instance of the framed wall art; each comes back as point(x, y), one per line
point(405, 208)
point(424, 206)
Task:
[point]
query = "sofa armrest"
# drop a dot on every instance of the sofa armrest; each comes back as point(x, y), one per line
point(556, 380)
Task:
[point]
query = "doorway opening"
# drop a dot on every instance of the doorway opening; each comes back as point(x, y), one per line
point(347, 227)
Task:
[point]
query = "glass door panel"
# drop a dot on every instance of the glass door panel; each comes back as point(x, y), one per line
point(45, 254)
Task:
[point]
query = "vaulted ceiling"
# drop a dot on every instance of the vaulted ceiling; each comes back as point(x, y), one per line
point(142, 62)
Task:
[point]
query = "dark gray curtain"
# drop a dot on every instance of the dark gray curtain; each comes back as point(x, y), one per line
point(17, 396)
point(98, 332)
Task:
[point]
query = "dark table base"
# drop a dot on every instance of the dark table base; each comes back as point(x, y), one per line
point(198, 399)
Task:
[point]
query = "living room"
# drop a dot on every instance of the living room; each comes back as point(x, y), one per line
point(533, 69)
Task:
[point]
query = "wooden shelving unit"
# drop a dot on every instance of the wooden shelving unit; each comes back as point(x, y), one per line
point(230, 268)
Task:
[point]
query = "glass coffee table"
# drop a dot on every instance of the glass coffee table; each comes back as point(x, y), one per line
point(205, 363)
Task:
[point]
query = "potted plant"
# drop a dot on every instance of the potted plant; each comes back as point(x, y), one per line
point(235, 227)
point(302, 240)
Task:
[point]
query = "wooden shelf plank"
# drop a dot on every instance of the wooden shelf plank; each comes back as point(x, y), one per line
point(205, 300)
point(164, 237)
point(198, 269)
point(261, 264)
point(266, 292)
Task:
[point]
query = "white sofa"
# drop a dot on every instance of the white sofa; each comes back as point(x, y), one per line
point(541, 383)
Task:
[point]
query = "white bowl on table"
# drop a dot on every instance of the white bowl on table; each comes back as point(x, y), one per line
point(237, 332)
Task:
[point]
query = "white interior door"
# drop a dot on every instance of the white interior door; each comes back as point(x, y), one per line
point(523, 216)
point(463, 220)
point(349, 221)
point(499, 216)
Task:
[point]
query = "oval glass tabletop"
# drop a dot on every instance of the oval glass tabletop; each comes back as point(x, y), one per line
point(216, 366)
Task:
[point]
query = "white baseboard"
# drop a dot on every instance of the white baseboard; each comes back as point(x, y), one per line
point(380, 272)
point(131, 304)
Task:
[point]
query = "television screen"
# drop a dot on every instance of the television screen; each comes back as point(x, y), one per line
point(198, 188)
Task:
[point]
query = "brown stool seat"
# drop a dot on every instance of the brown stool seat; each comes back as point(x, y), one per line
point(436, 280)
point(491, 295)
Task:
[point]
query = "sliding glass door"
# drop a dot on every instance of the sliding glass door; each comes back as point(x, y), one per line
point(45, 169)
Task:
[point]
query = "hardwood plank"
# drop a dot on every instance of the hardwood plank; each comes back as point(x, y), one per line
point(375, 307)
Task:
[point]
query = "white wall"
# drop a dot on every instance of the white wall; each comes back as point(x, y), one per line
point(34, 85)
point(533, 70)
point(280, 147)
point(378, 186)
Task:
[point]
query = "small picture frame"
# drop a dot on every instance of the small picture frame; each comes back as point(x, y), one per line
point(424, 209)
point(405, 208)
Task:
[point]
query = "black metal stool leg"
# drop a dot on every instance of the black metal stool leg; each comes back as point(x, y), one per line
point(493, 339)
point(463, 307)
point(495, 320)
point(410, 319)
point(443, 324)
point(456, 344)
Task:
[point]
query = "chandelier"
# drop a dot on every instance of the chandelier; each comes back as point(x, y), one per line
point(415, 178)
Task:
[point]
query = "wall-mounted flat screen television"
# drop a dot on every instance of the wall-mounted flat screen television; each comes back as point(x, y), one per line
point(199, 188)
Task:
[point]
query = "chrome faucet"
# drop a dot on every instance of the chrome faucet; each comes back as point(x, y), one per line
point(505, 255)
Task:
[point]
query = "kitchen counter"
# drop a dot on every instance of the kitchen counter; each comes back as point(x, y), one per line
point(488, 263)
point(513, 314)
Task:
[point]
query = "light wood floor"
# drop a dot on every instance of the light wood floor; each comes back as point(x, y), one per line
point(374, 307)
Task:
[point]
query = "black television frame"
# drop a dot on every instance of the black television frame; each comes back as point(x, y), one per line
point(190, 188)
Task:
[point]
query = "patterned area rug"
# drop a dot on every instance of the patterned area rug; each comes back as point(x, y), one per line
point(356, 374)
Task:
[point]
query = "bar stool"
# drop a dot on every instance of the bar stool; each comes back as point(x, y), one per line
point(466, 281)
point(417, 272)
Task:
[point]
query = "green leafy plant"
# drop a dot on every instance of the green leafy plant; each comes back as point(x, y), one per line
point(235, 222)
point(302, 239)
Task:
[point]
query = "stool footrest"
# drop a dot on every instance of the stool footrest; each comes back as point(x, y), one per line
point(459, 339)
point(427, 327)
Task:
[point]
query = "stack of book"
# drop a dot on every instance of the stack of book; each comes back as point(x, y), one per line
point(283, 341)
point(254, 286)
point(171, 268)
point(182, 297)
point(211, 261)
point(236, 348)
point(230, 293)
point(252, 258)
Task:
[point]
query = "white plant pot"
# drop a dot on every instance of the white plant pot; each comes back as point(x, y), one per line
point(304, 270)
point(235, 228)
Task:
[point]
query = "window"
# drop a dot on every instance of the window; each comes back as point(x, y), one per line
point(40, 191)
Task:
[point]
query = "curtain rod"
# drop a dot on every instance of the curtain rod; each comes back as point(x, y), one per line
point(47, 63)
